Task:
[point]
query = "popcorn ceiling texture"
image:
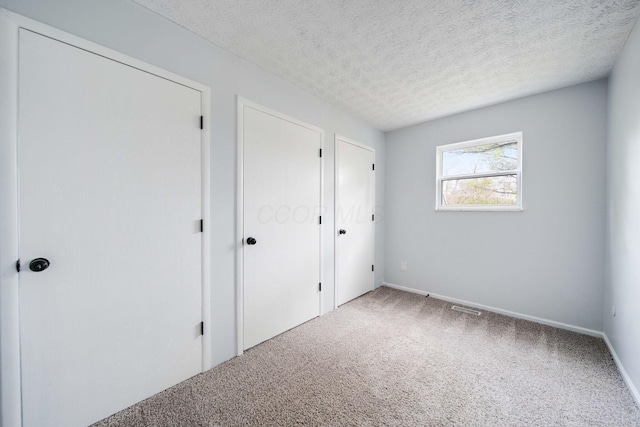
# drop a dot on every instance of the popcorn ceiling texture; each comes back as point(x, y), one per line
point(397, 63)
point(392, 358)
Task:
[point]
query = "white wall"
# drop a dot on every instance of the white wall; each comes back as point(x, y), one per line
point(623, 223)
point(546, 261)
point(129, 28)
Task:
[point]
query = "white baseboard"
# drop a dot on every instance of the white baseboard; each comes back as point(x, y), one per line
point(627, 379)
point(547, 322)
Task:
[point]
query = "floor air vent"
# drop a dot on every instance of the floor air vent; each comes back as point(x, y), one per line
point(465, 310)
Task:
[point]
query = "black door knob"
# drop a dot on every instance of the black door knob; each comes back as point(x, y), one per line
point(251, 241)
point(342, 231)
point(39, 264)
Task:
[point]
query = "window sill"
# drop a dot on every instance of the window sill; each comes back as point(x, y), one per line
point(479, 209)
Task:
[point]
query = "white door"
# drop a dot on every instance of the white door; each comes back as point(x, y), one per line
point(281, 188)
point(110, 194)
point(354, 220)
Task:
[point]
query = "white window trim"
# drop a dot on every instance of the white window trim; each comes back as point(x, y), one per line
point(516, 136)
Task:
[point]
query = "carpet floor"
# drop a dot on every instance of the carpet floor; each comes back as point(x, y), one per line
point(392, 358)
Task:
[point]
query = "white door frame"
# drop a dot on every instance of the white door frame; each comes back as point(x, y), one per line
point(335, 207)
point(10, 23)
point(242, 102)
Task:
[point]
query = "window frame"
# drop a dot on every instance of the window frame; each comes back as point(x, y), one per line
point(509, 137)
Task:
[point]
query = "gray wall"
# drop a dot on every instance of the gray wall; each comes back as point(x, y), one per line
point(623, 275)
point(546, 261)
point(129, 28)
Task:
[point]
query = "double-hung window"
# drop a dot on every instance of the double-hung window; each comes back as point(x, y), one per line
point(483, 174)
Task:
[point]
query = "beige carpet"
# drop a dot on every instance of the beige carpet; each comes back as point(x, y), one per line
point(398, 359)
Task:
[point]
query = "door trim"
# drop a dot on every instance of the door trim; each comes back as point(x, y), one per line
point(335, 207)
point(10, 24)
point(241, 103)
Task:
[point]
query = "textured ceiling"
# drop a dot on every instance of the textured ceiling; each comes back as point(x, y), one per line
point(396, 63)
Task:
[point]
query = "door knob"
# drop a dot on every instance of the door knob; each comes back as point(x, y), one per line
point(39, 264)
point(251, 241)
point(342, 231)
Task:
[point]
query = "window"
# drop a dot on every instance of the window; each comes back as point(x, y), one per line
point(481, 175)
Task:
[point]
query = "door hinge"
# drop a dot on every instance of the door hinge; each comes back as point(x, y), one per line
point(320, 286)
point(202, 225)
point(320, 220)
point(372, 268)
point(201, 122)
point(373, 166)
point(202, 328)
point(321, 152)
point(18, 266)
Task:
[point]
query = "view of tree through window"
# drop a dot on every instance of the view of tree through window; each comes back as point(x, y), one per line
point(500, 190)
point(482, 173)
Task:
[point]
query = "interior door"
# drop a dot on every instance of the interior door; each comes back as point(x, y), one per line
point(110, 195)
point(281, 250)
point(355, 246)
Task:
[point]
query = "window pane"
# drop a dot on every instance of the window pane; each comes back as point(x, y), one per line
point(495, 190)
point(481, 159)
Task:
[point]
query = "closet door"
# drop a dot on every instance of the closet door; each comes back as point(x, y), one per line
point(281, 224)
point(110, 203)
point(355, 244)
